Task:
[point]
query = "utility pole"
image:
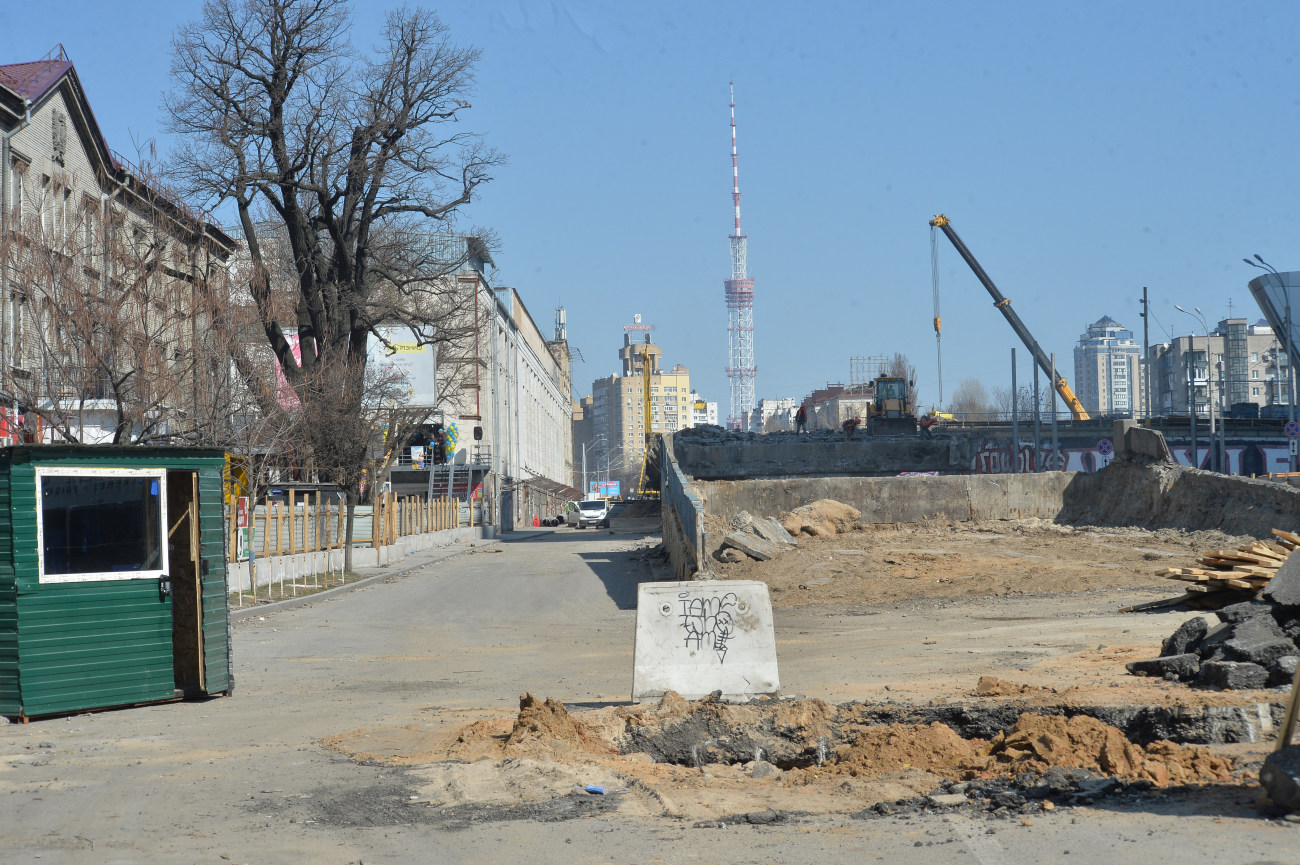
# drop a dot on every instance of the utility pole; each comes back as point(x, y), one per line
point(1146, 356)
point(1015, 418)
point(1191, 403)
point(1056, 444)
point(1038, 426)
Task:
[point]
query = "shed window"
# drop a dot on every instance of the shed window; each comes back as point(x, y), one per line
point(101, 524)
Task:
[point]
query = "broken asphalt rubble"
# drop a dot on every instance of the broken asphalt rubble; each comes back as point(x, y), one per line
point(1253, 645)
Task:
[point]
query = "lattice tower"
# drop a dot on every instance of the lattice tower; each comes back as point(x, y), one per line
point(739, 292)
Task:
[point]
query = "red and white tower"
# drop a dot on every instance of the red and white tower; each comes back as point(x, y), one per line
point(740, 305)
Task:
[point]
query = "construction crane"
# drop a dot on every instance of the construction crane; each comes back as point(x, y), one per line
point(1003, 304)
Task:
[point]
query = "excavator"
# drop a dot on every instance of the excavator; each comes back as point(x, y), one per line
point(890, 411)
point(1003, 304)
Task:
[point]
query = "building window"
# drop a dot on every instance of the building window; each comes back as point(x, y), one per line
point(1254, 357)
point(1254, 373)
point(1254, 391)
point(101, 524)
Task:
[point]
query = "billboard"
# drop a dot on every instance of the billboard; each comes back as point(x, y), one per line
point(603, 489)
point(405, 357)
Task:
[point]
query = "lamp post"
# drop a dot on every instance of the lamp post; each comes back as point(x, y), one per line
point(585, 445)
point(1286, 347)
point(1209, 388)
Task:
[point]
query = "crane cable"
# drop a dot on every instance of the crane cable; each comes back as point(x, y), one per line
point(934, 277)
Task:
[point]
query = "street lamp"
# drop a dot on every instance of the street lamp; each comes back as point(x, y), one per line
point(1209, 387)
point(585, 445)
point(1286, 345)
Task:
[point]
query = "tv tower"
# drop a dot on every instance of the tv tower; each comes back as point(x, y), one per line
point(740, 305)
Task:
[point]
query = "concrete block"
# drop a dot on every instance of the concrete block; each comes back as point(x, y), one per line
point(703, 636)
point(1232, 676)
point(753, 546)
point(946, 800)
point(1119, 436)
point(1185, 638)
point(1280, 777)
point(763, 769)
point(769, 529)
point(1258, 641)
point(1182, 667)
point(1284, 588)
point(1282, 671)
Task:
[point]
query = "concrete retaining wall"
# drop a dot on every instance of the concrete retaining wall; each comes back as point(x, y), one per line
point(819, 454)
point(683, 515)
point(898, 500)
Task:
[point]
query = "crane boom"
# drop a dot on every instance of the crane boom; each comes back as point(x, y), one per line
point(1004, 305)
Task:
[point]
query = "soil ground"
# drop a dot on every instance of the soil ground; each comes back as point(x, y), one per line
point(384, 725)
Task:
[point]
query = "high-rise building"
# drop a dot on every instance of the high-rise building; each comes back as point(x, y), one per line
point(1108, 370)
point(618, 410)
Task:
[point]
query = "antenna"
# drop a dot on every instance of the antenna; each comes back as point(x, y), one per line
point(739, 291)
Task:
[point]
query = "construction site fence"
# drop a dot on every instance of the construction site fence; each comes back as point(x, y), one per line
point(297, 547)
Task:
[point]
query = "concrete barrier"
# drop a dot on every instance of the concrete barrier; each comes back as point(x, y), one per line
point(699, 637)
point(682, 511)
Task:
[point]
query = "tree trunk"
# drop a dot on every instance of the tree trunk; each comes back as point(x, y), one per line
point(347, 532)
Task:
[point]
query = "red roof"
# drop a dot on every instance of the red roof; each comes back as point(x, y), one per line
point(32, 80)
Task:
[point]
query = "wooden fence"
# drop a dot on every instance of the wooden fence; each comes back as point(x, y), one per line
point(310, 524)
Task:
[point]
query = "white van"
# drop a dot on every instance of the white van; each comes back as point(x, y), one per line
point(591, 512)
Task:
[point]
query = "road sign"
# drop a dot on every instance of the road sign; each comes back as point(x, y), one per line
point(1292, 428)
point(1105, 448)
point(1294, 449)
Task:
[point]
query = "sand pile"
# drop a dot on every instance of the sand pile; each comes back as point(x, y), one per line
point(1041, 742)
point(822, 518)
point(548, 725)
point(883, 749)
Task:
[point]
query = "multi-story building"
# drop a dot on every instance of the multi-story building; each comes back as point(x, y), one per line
point(104, 279)
point(619, 420)
point(771, 415)
point(1241, 366)
point(703, 413)
point(1108, 370)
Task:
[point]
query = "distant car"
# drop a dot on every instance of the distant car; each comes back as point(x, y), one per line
point(590, 512)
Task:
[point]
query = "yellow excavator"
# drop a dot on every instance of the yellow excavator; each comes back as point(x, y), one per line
point(891, 411)
point(1003, 304)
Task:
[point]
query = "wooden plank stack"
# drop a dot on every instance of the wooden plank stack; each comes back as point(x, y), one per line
point(1247, 568)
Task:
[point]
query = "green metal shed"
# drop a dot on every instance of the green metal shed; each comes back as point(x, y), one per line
point(112, 577)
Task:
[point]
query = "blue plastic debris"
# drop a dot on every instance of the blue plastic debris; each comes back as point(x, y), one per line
point(592, 788)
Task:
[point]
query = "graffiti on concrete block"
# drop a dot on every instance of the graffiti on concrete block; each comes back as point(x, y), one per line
point(709, 621)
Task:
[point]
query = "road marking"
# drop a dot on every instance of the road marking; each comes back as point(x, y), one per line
point(983, 846)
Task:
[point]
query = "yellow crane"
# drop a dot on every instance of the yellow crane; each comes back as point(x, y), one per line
point(1003, 304)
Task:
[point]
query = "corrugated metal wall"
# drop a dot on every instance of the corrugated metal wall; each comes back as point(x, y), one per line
point(104, 643)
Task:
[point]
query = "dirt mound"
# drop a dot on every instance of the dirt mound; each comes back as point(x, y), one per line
point(893, 748)
point(1041, 742)
point(822, 518)
point(992, 686)
point(549, 725)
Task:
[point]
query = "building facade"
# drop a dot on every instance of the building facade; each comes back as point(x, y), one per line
point(1108, 370)
point(619, 420)
point(703, 413)
point(1240, 366)
point(772, 415)
point(105, 278)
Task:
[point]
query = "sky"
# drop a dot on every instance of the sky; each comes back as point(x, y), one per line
point(1082, 150)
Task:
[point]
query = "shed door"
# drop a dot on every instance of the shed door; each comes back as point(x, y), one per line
point(187, 589)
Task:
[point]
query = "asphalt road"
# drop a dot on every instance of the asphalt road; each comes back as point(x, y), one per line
point(247, 779)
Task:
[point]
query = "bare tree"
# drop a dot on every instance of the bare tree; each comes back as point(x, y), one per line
point(105, 331)
point(356, 158)
point(899, 366)
point(971, 401)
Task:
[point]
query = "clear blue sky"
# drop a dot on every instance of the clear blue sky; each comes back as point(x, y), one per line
point(1082, 150)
